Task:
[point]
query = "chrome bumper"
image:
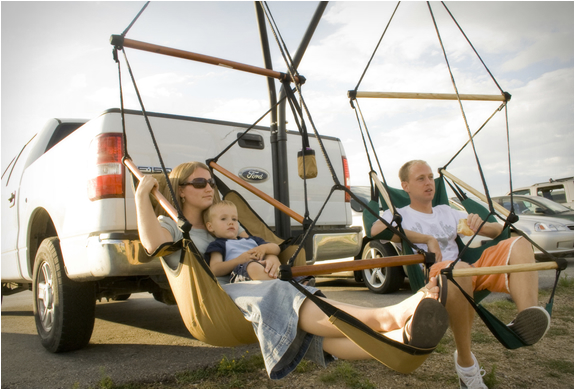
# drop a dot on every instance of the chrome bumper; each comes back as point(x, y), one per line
point(120, 254)
point(331, 246)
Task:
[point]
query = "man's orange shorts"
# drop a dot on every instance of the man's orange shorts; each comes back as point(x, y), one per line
point(492, 256)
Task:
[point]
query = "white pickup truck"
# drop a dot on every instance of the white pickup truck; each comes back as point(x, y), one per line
point(69, 228)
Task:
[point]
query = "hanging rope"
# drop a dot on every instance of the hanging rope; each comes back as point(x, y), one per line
point(215, 159)
point(376, 47)
point(136, 18)
point(507, 95)
point(462, 111)
point(182, 222)
point(474, 134)
point(293, 73)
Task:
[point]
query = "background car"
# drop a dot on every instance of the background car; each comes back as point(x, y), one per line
point(535, 205)
point(553, 234)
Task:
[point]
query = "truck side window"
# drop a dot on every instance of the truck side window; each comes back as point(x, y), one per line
point(61, 132)
point(521, 192)
point(556, 194)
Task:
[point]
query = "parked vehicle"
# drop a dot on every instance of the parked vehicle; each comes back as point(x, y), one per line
point(535, 205)
point(69, 230)
point(560, 191)
point(555, 235)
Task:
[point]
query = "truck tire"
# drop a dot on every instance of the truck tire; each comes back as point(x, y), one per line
point(64, 310)
point(382, 280)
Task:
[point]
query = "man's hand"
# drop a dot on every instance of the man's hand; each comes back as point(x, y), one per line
point(489, 229)
point(433, 247)
point(474, 221)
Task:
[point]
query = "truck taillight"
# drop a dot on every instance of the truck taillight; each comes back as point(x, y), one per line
point(347, 180)
point(106, 171)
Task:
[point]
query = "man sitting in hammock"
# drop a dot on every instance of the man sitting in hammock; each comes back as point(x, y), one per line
point(434, 229)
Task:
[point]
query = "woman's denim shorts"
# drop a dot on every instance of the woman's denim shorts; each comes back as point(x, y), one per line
point(273, 309)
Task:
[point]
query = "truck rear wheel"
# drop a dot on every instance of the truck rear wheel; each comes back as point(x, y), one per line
point(382, 280)
point(64, 310)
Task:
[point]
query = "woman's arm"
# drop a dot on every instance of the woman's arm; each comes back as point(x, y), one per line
point(152, 234)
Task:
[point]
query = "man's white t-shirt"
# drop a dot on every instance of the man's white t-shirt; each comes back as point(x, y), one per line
point(441, 224)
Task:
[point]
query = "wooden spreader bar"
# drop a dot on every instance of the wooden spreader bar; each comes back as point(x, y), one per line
point(505, 269)
point(120, 41)
point(502, 210)
point(423, 95)
point(356, 265)
point(274, 202)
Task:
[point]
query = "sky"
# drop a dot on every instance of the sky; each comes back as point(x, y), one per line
point(57, 62)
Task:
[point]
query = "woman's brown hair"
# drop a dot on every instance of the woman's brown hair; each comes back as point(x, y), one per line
point(177, 177)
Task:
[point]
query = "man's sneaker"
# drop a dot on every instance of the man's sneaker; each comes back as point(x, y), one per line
point(471, 378)
point(531, 324)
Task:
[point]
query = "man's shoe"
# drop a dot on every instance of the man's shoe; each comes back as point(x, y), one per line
point(472, 379)
point(531, 324)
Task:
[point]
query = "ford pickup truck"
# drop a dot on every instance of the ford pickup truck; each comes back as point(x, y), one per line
point(69, 229)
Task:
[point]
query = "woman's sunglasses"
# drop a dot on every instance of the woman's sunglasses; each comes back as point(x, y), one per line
point(200, 182)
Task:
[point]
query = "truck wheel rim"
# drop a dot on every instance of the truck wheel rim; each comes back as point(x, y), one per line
point(46, 297)
point(375, 276)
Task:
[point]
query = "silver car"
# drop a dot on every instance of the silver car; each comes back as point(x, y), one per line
point(553, 234)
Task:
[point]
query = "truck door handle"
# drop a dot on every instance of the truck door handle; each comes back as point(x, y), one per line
point(12, 199)
point(251, 141)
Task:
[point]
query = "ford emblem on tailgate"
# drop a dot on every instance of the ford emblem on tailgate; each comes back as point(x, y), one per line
point(254, 175)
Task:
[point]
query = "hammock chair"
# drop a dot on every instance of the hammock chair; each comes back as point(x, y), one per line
point(384, 197)
point(208, 312)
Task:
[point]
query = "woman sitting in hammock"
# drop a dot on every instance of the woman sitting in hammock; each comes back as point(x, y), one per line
point(288, 325)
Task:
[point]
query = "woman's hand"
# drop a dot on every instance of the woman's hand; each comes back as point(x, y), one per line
point(146, 186)
point(272, 265)
point(258, 252)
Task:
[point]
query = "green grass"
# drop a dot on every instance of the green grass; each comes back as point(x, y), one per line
point(228, 371)
point(105, 381)
point(558, 366)
point(343, 374)
point(490, 378)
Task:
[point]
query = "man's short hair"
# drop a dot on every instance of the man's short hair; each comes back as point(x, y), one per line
point(404, 170)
